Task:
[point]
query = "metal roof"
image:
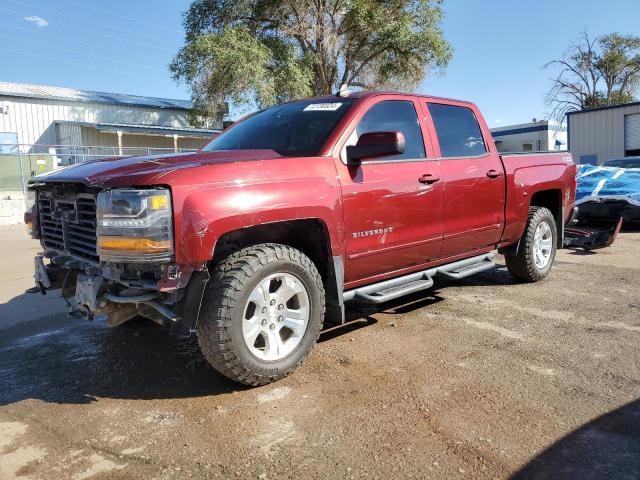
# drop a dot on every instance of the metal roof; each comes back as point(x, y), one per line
point(606, 107)
point(46, 92)
point(550, 123)
point(146, 129)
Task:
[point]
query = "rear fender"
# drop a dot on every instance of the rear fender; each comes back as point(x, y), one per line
point(523, 187)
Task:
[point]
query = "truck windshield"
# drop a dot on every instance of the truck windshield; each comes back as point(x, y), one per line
point(293, 129)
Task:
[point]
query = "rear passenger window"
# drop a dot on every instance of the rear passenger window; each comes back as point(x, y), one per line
point(395, 116)
point(458, 131)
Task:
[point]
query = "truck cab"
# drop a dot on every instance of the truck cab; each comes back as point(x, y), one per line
point(258, 240)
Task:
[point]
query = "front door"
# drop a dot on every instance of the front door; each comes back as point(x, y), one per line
point(473, 181)
point(392, 205)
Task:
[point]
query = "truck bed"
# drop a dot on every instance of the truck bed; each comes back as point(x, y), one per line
point(528, 173)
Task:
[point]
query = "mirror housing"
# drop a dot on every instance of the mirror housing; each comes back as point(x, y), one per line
point(376, 144)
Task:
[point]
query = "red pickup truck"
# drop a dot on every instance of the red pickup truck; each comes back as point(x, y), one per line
point(260, 238)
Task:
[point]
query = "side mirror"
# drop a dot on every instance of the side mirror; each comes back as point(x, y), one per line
point(376, 144)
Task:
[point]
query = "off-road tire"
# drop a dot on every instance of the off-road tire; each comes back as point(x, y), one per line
point(219, 327)
point(521, 264)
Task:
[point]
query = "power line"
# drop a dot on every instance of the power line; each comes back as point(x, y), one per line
point(73, 17)
point(93, 32)
point(96, 67)
point(78, 42)
point(80, 4)
point(78, 52)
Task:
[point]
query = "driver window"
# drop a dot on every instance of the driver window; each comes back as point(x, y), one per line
point(392, 116)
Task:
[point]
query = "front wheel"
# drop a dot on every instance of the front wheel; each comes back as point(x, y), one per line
point(262, 313)
point(537, 249)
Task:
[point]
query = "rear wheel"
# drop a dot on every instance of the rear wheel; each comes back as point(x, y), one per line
point(262, 313)
point(537, 250)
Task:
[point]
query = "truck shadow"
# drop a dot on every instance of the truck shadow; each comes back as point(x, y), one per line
point(581, 252)
point(61, 360)
point(359, 315)
point(606, 447)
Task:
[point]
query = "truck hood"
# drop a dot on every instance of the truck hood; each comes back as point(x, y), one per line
point(130, 171)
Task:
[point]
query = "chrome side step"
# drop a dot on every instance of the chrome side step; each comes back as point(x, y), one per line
point(414, 282)
point(472, 269)
point(391, 293)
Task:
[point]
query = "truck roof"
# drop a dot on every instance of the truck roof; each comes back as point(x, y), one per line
point(373, 93)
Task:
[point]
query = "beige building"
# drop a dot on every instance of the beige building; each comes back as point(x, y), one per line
point(600, 134)
point(36, 118)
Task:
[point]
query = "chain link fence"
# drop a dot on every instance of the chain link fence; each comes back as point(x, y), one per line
point(19, 163)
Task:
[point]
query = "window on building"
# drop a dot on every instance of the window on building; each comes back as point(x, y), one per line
point(588, 160)
point(458, 131)
point(394, 116)
point(8, 142)
point(632, 135)
point(527, 147)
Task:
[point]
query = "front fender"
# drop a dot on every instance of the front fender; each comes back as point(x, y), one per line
point(207, 213)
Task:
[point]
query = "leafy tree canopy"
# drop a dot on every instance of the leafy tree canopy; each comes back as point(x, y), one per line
point(269, 51)
point(596, 72)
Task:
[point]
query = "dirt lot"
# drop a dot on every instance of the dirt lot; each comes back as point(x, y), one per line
point(482, 378)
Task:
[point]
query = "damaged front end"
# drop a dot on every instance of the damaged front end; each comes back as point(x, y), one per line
point(111, 254)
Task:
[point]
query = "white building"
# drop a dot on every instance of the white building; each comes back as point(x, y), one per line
point(600, 134)
point(36, 117)
point(42, 127)
point(530, 137)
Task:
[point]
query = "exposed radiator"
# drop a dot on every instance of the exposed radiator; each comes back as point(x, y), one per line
point(68, 224)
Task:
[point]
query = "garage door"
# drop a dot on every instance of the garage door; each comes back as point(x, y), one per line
point(632, 134)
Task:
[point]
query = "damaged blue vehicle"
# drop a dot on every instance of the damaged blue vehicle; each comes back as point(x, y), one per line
point(607, 196)
point(609, 191)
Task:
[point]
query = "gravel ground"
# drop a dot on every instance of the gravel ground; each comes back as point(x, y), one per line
point(481, 378)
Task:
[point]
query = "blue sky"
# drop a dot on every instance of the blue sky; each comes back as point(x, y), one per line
point(500, 47)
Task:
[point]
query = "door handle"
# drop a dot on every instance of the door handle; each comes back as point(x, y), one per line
point(493, 174)
point(428, 179)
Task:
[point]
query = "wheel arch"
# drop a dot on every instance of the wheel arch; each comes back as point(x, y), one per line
point(309, 235)
point(552, 200)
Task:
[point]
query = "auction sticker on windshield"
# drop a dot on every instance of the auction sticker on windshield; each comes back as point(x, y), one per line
point(322, 107)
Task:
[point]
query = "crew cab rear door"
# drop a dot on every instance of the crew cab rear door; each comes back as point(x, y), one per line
point(472, 174)
point(392, 205)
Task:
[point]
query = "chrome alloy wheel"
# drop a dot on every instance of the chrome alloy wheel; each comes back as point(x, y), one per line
point(542, 245)
point(275, 316)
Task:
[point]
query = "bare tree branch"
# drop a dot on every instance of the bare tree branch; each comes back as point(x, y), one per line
point(612, 58)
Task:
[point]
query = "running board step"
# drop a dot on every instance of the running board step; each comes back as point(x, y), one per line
point(398, 291)
point(415, 282)
point(468, 270)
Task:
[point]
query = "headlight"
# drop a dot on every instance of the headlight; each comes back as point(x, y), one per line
point(135, 225)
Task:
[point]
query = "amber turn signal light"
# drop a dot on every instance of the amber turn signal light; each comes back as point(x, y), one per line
point(141, 245)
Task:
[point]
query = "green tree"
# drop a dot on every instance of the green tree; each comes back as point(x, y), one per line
point(269, 51)
point(595, 72)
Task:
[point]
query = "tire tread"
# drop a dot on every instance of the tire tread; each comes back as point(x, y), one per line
point(222, 296)
point(521, 264)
